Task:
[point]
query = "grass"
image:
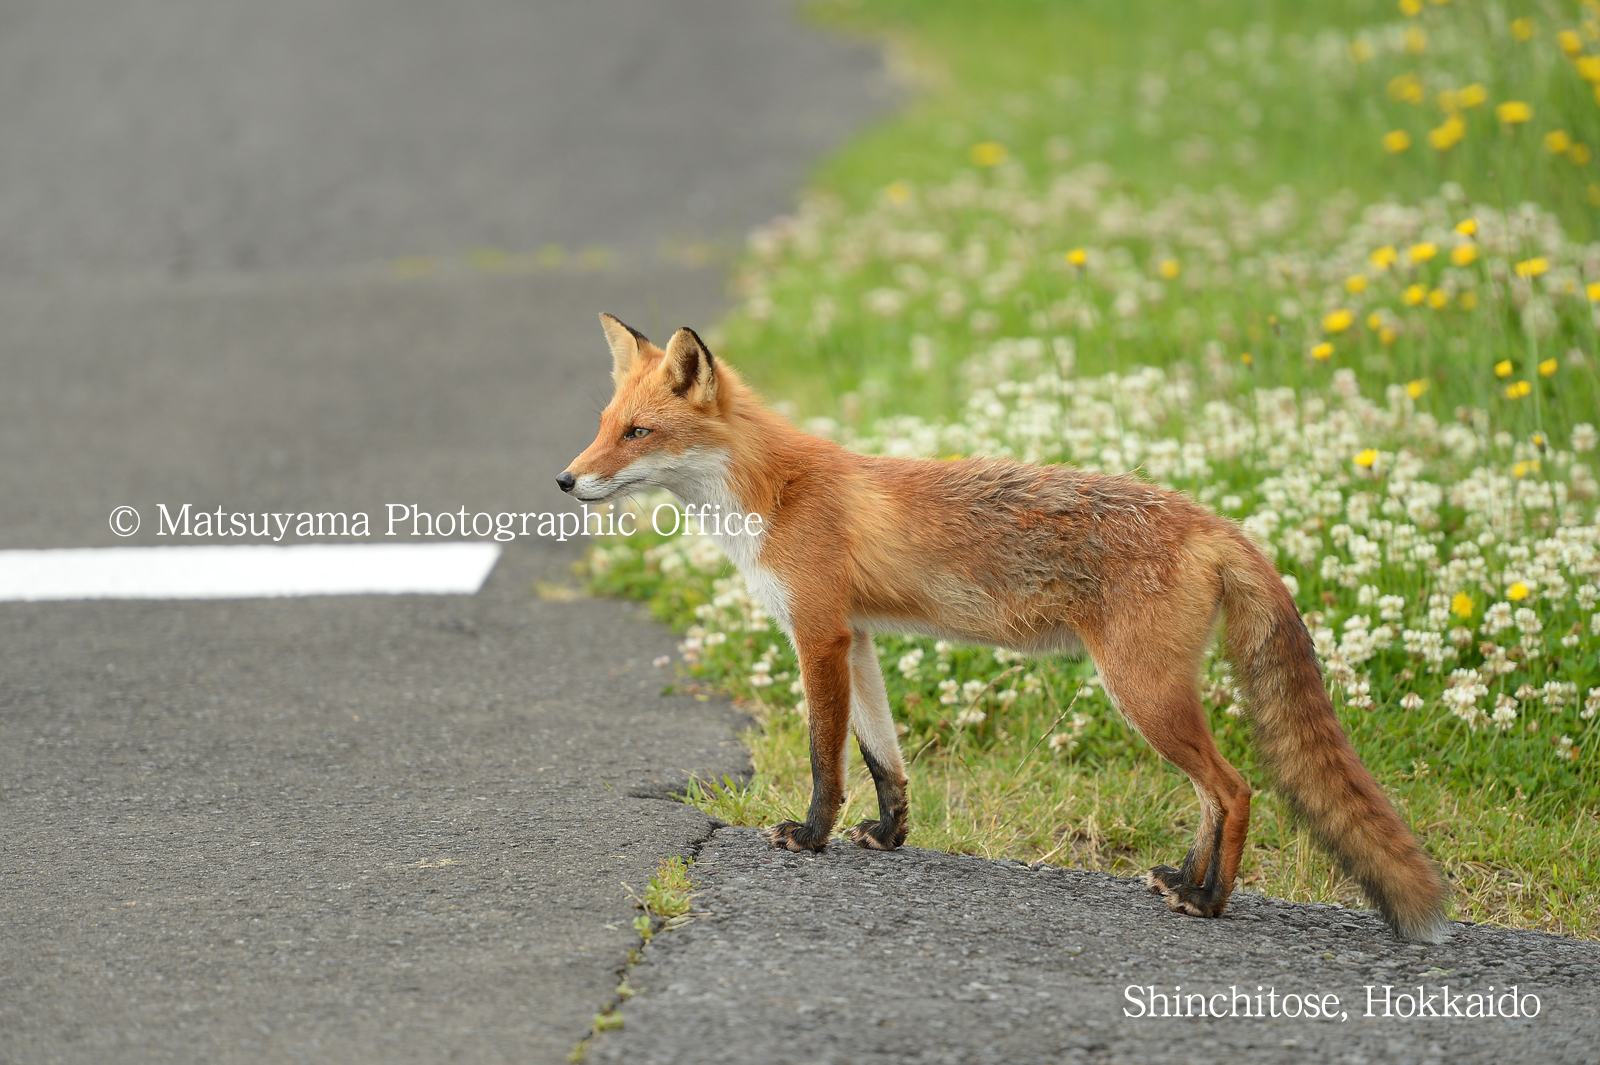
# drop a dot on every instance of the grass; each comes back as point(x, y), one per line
point(1382, 361)
point(667, 899)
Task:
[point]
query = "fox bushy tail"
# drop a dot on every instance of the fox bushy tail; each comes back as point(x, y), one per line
point(1317, 770)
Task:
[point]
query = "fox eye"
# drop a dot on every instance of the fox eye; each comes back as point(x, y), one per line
point(638, 432)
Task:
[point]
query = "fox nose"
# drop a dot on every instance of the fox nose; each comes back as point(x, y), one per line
point(565, 481)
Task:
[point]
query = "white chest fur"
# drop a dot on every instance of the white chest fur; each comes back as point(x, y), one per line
point(712, 496)
point(763, 583)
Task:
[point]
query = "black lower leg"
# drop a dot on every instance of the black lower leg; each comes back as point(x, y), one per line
point(889, 830)
point(1207, 898)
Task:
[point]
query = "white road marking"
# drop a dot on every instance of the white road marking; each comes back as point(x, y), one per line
point(247, 571)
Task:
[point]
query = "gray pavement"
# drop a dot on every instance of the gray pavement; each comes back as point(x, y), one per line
point(173, 137)
point(861, 957)
point(352, 829)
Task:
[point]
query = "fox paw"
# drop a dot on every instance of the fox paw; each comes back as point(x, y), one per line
point(795, 836)
point(874, 836)
point(1163, 880)
point(1191, 899)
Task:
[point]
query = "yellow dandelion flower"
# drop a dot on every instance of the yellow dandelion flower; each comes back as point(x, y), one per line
point(1557, 141)
point(1588, 67)
point(1077, 257)
point(1355, 284)
point(1416, 40)
point(1592, 290)
point(1580, 154)
point(1474, 95)
point(1374, 320)
point(988, 153)
point(1415, 389)
point(1451, 132)
point(1513, 111)
point(1518, 389)
point(1522, 29)
point(1383, 258)
point(1387, 335)
point(1438, 299)
point(898, 192)
point(1361, 50)
point(1322, 352)
point(1410, 8)
point(1468, 301)
point(1406, 88)
point(1169, 268)
point(1366, 458)
point(1396, 141)
point(1245, 358)
point(1517, 592)
point(1503, 368)
point(1421, 253)
point(1461, 605)
point(1531, 267)
point(1338, 321)
point(1414, 295)
point(1522, 469)
point(1464, 254)
point(1467, 227)
point(1448, 102)
point(1570, 42)
point(1547, 368)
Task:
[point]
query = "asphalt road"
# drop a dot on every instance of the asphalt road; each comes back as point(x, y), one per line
point(867, 958)
point(279, 257)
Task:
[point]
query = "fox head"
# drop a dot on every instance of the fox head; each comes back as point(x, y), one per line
point(665, 425)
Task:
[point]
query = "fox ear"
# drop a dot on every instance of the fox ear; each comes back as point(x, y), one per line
point(690, 370)
point(627, 345)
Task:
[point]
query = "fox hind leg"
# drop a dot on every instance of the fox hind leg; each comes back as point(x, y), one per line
point(873, 723)
point(1163, 704)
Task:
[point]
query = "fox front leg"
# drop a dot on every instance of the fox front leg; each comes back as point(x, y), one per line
point(873, 723)
point(825, 672)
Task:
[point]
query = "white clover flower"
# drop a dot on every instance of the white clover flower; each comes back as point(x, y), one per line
point(1391, 607)
point(1527, 621)
point(949, 692)
point(970, 716)
point(1505, 712)
point(885, 302)
point(909, 663)
point(1556, 693)
point(1411, 701)
point(1584, 437)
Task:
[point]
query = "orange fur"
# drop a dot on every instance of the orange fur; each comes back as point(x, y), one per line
point(1039, 558)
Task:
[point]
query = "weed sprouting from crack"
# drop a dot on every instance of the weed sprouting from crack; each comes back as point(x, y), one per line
point(667, 902)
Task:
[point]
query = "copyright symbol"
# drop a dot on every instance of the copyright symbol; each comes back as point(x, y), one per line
point(124, 521)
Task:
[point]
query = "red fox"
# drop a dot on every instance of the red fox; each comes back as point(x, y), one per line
point(1042, 559)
